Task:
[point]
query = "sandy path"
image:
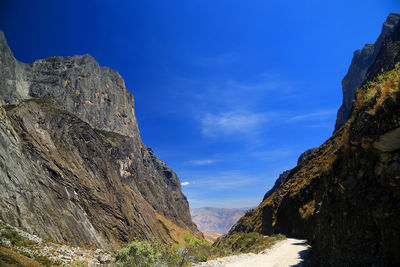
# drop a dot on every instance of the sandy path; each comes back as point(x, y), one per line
point(289, 252)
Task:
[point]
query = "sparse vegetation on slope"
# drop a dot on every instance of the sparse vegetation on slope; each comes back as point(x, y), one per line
point(152, 253)
point(238, 243)
point(19, 248)
point(345, 197)
point(10, 258)
point(383, 87)
point(192, 250)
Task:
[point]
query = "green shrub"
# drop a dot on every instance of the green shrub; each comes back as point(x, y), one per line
point(192, 249)
point(15, 238)
point(26, 254)
point(82, 263)
point(46, 261)
point(146, 253)
point(138, 253)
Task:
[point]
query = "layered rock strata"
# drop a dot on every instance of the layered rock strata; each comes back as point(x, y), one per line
point(73, 167)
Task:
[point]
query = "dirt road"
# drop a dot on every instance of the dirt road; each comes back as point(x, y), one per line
point(289, 252)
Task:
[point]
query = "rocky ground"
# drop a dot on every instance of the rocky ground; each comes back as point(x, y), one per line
point(46, 251)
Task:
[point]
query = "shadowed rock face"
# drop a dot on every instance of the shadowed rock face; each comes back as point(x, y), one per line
point(362, 60)
point(344, 198)
point(388, 56)
point(72, 164)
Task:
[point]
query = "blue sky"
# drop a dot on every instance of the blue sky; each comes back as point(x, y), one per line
point(228, 93)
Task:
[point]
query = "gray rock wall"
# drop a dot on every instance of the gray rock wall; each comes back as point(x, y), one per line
point(73, 167)
point(362, 60)
point(78, 84)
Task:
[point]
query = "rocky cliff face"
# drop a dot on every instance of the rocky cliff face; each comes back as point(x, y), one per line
point(73, 167)
point(344, 198)
point(362, 60)
point(95, 94)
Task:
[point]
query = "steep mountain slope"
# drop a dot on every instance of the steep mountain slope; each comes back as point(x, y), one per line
point(283, 176)
point(216, 220)
point(72, 164)
point(362, 60)
point(345, 197)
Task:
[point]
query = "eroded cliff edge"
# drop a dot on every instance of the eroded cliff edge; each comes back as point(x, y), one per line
point(345, 197)
point(73, 167)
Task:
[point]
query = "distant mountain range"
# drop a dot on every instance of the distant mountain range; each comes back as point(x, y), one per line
point(216, 220)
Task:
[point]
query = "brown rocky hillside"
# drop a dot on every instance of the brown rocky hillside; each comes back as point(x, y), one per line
point(344, 198)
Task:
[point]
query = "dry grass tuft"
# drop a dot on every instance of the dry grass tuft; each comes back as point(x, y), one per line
point(384, 86)
point(307, 210)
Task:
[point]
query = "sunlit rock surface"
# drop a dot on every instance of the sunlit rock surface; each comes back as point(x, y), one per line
point(73, 167)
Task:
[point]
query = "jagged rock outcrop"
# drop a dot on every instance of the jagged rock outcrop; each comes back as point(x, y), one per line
point(344, 198)
point(362, 60)
point(95, 94)
point(73, 167)
point(283, 176)
point(388, 56)
point(305, 155)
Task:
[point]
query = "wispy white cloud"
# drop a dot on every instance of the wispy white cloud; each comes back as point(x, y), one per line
point(317, 115)
point(225, 184)
point(224, 59)
point(202, 162)
point(185, 183)
point(233, 122)
point(255, 86)
point(230, 92)
point(273, 154)
point(320, 125)
point(221, 179)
